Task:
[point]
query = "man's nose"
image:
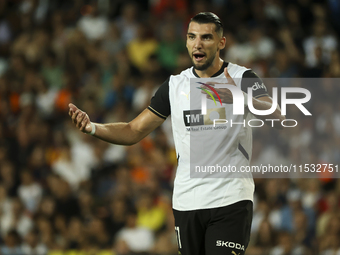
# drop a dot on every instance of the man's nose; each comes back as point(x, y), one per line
point(198, 43)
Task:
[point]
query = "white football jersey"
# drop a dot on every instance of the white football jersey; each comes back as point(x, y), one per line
point(199, 144)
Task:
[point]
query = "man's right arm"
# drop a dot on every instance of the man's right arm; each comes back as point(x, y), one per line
point(117, 133)
point(132, 132)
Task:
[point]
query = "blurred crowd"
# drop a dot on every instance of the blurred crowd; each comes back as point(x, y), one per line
point(64, 192)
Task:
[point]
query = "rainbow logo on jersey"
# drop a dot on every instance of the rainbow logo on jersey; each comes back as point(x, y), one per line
point(209, 93)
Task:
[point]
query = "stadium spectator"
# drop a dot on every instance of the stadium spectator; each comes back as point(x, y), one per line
point(31, 246)
point(319, 47)
point(11, 244)
point(141, 47)
point(29, 192)
point(17, 219)
point(134, 238)
point(93, 25)
point(128, 22)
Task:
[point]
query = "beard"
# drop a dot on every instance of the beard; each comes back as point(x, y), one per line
point(203, 66)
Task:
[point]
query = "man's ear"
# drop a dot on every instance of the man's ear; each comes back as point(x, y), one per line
point(221, 45)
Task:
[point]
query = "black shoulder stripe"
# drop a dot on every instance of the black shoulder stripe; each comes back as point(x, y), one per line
point(160, 102)
point(157, 113)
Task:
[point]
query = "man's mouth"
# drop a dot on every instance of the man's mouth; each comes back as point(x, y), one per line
point(198, 56)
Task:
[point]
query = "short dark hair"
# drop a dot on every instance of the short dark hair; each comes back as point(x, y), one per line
point(209, 17)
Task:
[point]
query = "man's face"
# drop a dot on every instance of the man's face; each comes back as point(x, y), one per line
point(203, 44)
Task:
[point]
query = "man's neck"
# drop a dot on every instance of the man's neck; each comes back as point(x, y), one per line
point(214, 68)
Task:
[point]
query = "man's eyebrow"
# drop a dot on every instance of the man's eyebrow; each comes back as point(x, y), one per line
point(207, 35)
point(203, 35)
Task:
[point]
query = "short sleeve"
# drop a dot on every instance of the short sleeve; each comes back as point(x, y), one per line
point(160, 102)
point(251, 80)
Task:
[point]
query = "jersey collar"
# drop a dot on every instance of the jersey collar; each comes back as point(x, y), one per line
point(225, 64)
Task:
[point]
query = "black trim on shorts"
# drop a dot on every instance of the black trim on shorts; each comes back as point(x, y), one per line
point(243, 151)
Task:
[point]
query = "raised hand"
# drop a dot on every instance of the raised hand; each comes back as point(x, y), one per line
point(80, 119)
point(223, 93)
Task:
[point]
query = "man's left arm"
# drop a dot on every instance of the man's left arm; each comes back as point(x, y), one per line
point(265, 103)
point(261, 99)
